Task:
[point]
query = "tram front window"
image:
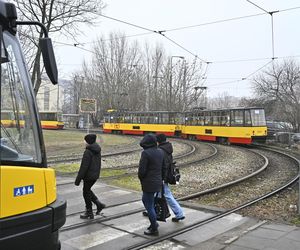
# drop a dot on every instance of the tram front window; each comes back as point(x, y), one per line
point(19, 132)
point(258, 117)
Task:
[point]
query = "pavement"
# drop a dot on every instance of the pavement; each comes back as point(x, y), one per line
point(232, 232)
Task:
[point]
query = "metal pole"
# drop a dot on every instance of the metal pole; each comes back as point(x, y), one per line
point(57, 108)
point(88, 124)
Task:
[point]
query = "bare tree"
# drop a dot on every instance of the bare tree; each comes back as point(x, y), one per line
point(224, 100)
point(61, 16)
point(281, 84)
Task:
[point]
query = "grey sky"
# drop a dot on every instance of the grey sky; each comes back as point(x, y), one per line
point(242, 39)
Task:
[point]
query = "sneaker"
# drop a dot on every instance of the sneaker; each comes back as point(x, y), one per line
point(145, 213)
point(178, 219)
point(151, 232)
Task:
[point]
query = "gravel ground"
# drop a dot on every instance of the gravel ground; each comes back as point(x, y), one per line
point(276, 208)
point(229, 164)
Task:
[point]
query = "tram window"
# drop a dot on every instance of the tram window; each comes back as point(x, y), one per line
point(48, 116)
point(216, 118)
point(171, 118)
point(127, 119)
point(237, 118)
point(224, 119)
point(159, 115)
point(208, 119)
point(188, 120)
point(248, 118)
point(135, 119)
point(258, 117)
point(151, 119)
point(143, 119)
point(200, 119)
point(164, 118)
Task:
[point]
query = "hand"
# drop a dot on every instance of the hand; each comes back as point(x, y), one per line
point(77, 183)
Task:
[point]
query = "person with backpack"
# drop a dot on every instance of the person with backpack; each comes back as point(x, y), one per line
point(169, 177)
point(150, 172)
point(89, 172)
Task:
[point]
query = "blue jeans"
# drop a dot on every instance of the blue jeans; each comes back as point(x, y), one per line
point(174, 205)
point(148, 201)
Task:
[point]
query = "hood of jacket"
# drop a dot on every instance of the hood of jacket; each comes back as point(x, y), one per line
point(166, 146)
point(95, 148)
point(148, 141)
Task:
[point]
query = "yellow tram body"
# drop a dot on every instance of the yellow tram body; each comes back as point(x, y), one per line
point(240, 135)
point(140, 129)
point(44, 193)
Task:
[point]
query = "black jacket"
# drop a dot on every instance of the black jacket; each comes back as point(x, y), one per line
point(90, 164)
point(151, 165)
point(167, 148)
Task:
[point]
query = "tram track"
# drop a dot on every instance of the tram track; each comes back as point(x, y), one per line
point(167, 236)
point(151, 242)
point(192, 196)
point(131, 169)
point(197, 224)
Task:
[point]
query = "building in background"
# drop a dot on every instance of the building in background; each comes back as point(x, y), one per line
point(51, 97)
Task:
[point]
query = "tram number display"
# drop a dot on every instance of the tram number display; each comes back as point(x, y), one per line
point(88, 105)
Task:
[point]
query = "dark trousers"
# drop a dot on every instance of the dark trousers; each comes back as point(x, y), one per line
point(148, 201)
point(88, 194)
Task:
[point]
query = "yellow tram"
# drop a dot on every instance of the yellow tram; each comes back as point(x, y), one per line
point(137, 123)
point(51, 120)
point(31, 213)
point(238, 125)
point(235, 125)
point(48, 119)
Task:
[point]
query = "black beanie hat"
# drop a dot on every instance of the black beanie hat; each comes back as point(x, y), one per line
point(161, 138)
point(90, 138)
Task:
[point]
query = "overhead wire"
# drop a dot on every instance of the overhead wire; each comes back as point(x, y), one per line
point(192, 26)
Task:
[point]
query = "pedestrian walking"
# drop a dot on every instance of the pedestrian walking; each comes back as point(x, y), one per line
point(167, 148)
point(150, 174)
point(89, 172)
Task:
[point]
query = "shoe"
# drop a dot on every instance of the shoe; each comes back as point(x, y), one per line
point(88, 214)
point(145, 213)
point(100, 206)
point(150, 228)
point(151, 232)
point(178, 219)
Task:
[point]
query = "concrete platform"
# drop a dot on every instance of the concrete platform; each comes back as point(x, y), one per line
point(232, 232)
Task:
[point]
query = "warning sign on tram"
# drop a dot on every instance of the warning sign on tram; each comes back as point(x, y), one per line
point(88, 105)
point(20, 191)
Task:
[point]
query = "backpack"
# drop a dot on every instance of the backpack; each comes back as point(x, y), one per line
point(173, 175)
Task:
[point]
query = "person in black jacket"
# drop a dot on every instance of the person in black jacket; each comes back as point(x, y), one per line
point(150, 174)
point(89, 172)
point(167, 148)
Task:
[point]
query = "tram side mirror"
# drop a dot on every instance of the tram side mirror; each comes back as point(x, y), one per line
point(49, 59)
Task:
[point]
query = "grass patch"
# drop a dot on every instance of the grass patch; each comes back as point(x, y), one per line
point(296, 220)
point(74, 167)
point(128, 182)
point(111, 172)
point(61, 142)
point(67, 168)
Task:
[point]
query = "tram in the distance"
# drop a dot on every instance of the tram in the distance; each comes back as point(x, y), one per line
point(236, 125)
point(31, 213)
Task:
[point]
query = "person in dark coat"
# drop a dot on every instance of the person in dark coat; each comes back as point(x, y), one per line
point(167, 148)
point(150, 173)
point(89, 172)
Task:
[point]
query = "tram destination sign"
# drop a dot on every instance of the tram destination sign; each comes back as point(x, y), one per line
point(88, 105)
